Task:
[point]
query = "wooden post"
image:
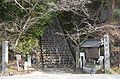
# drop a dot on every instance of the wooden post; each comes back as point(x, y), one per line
point(41, 54)
point(4, 55)
point(106, 53)
point(118, 56)
point(78, 49)
point(77, 58)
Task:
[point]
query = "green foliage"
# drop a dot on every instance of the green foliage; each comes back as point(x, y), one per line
point(31, 37)
point(37, 30)
point(114, 70)
point(26, 44)
point(10, 11)
point(117, 13)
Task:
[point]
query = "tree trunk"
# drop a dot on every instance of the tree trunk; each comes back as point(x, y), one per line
point(41, 54)
point(112, 9)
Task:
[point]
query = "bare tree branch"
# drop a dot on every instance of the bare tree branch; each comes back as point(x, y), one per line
point(20, 5)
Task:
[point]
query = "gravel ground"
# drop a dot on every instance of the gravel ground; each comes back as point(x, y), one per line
point(45, 75)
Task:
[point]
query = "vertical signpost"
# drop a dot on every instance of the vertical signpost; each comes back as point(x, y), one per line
point(106, 53)
point(101, 61)
point(82, 59)
point(18, 58)
point(29, 60)
point(4, 55)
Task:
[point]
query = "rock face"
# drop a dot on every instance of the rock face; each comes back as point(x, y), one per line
point(55, 48)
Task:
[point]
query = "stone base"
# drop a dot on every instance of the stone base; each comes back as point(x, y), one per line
point(91, 69)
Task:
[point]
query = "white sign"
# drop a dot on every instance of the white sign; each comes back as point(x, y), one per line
point(29, 60)
point(82, 61)
point(18, 57)
point(106, 53)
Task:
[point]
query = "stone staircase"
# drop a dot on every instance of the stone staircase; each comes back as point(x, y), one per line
point(55, 48)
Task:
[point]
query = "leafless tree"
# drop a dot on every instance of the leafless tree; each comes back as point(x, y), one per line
point(79, 8)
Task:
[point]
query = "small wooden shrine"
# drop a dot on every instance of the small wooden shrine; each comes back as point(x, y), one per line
point(93, 55)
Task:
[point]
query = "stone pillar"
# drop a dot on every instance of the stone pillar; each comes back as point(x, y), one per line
point(106, 54)
point(25, 65)
point(4, 55)
point(101, 61)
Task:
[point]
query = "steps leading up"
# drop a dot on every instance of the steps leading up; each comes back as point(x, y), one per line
point(55, 48)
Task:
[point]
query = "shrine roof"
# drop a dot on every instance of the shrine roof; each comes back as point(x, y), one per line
point(92, 43)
